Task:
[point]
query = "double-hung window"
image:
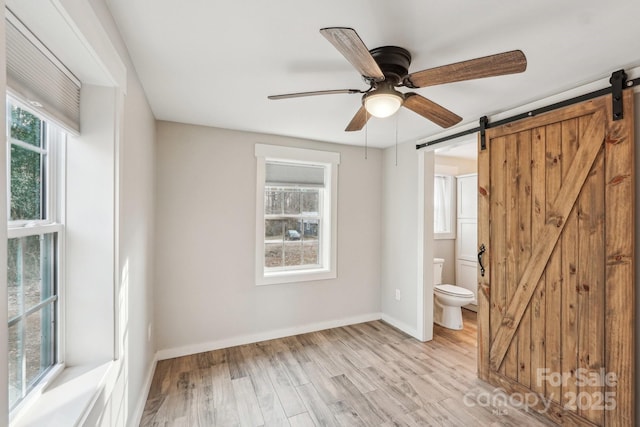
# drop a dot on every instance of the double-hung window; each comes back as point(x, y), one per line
point(34, 239)
point(43, 98)
point(296, 214)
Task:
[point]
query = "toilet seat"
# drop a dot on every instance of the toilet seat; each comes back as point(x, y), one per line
point(454, 291)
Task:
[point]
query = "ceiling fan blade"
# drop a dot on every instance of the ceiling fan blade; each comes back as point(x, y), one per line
point(347, 41)
point(493, 65)
point(359, 120)
point(430, 110)
point(314, 93)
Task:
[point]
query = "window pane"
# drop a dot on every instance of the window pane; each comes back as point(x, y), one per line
point(293, 253)
point(310, 252)
point(29, 272)
point(292, 202)
point(274, 229)
point(26, 127)
point(273, 254)
point(311, 242)
point(14, 285)
point(15, 363)
point(26, 184)
point(311, 228)
point(272, 202)
point(310, 202)
point(38, 345)
point(47, 267)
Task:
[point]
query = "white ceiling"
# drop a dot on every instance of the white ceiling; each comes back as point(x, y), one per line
point(467, 150)
point(214, 62)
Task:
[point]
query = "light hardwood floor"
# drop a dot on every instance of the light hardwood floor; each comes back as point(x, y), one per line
point(368, 374)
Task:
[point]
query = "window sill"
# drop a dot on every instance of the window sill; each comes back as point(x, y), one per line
point(281, 277)
point(67, 399)
point(444, 236)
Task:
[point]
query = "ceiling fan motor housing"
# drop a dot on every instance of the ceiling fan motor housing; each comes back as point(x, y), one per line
point(394, 62)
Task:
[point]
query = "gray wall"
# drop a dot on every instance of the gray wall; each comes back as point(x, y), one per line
point(205, 295)
point(400, 240)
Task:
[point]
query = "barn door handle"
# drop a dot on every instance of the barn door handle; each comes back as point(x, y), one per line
point(483, 249)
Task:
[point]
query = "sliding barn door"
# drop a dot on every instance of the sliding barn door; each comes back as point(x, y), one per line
point(556, 301)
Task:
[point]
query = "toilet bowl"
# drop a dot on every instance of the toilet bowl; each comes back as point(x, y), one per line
point(448, 299)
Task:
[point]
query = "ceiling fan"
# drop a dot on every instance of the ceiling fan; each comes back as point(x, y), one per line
point(386, 68)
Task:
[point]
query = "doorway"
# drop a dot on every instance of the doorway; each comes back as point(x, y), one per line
point(455, 214)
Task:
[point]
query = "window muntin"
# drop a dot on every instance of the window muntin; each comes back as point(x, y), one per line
point(33, 243)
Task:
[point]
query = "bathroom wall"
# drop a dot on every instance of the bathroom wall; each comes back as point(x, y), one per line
point(445, 248)
point(453, 165)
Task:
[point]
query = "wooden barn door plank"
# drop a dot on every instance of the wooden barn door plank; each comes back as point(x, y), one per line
point(511, 244)
point(538, 219)
point(620, 231)
point(591, 282)
point(484, 297)
point(498, 235)
point(553, 272)
point(524, 250)
point(569, 303)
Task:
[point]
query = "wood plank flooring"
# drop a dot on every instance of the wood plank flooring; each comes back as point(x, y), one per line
point(369, 374)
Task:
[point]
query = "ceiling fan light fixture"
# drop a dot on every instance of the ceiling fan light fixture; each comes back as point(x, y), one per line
point(383, 102)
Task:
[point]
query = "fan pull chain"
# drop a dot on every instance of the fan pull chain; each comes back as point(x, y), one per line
point(366, 134)
point(397, 139)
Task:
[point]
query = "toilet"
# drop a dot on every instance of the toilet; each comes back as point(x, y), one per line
point(448, 300)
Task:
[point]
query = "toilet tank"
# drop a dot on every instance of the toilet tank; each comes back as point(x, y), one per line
point(438, 264)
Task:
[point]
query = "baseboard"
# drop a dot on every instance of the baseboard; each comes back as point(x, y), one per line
point(471, 307)
point(136, 417)
point(170, 353)
point(410, 330)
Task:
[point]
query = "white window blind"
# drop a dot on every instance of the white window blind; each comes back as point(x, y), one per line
point(442, 197)
point(293, 174)
point(35, 75)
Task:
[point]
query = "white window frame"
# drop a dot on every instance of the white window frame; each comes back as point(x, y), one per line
point(328, 230)
point(451, 234)
point(53, 223)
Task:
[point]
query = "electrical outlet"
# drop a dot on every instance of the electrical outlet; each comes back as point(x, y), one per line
point(149, 332)
point(397, 294)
